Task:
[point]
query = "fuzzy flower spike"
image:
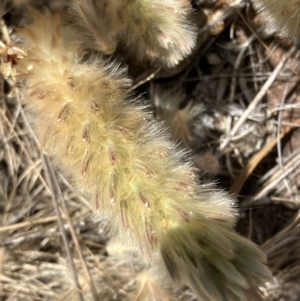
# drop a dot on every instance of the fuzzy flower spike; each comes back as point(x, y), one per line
point(283, 16)
point(131, 173)
point(157, 31)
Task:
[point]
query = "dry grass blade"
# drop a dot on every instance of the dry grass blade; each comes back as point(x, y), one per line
point(282, 174)
point(29, 223)
point(258, 97)
point(56, 194)
point(255, 160)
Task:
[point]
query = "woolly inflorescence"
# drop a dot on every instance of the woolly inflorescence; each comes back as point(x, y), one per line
point(130, 172)
point(283, 16)
point(155, 31)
